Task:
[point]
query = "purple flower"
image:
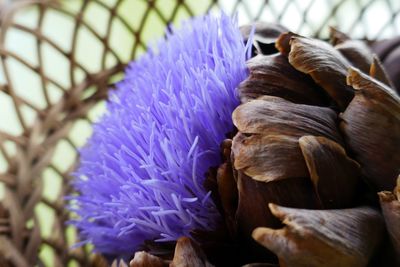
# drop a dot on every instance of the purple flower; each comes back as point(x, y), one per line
point(141, 174)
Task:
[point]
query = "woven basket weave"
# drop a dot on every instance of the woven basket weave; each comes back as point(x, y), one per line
point(68, 73)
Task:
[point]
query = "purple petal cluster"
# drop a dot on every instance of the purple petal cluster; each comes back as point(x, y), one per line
point(141, 174)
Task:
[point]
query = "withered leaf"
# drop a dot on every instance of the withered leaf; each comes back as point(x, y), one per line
point(333, 173)
point(266, 147)
point(330, 238)
point(371, 126)
point(326, 66)
point(273, 75)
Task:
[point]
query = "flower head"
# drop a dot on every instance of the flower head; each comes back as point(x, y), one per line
point(141, 174)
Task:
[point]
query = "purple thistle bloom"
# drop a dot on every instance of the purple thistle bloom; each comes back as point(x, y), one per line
point(141, 174)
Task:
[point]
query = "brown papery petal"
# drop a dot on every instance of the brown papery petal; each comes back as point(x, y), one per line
point(388, 52)
point(392, 66)
point(254, 197)
point(326, 66)
point(356, 52)
point(273, 75)
point(268, 158)
point(384, 47)
point(371, 125)
point(227, 188)
point(119, 263)
point(337, 37)
point(144, 259)
point(283, 42)
point(332, 172)
point(189, 254)
point(378, 72)
point(390, 204)
point(266, 147)
point(329, 238)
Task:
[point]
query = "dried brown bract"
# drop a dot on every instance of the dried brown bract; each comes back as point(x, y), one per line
point(378, 72)
point(227, 188)
point(346, 237)
point(119, 263)
point(266, 78)
point(324, 159)
point(326, 66)
point(371, 126)
point(254, 197)
point(390, 204)
point(388, 52)
point(356, 52)
point(189, 254)
point(283, 42)
point(144, 259)
point(266, 147)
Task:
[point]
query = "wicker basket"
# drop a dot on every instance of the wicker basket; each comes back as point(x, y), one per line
point(50, 94)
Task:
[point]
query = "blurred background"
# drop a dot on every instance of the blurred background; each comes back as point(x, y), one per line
point(46, 49)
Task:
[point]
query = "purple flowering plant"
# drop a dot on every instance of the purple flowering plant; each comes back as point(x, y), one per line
point(141, 173)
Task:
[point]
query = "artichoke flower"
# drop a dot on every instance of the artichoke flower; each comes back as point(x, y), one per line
point(266, 149)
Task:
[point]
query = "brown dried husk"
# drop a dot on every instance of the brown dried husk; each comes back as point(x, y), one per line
point(335, 176)
point(378, 72)
point(329, 238)
point(371, 126)
point(357, 52)
point(266, 147)
point(324, 64)
point(266, 78)
point(388, 52)
point(390, 204)
point(144, 259)
point(188, 254)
